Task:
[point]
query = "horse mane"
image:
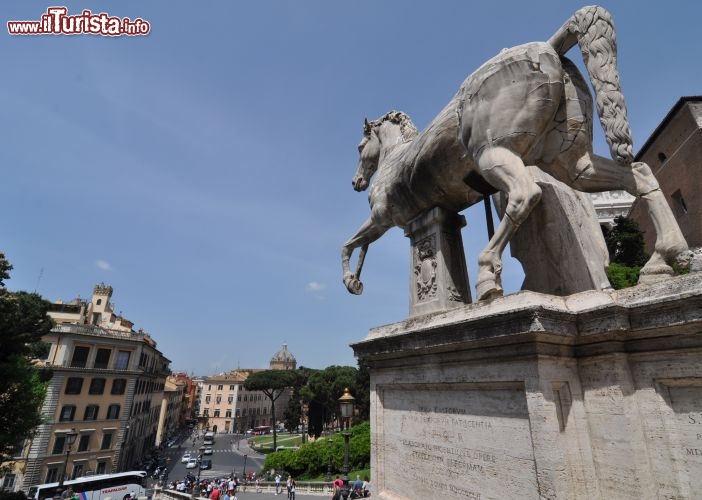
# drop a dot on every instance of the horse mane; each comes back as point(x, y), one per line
point(407, 128)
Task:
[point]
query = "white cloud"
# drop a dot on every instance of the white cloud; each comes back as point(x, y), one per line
point(103, 264)
point(313, 286)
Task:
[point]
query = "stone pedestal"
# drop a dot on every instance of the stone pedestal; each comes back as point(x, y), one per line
point(560, 245)
point(597, 395)
point(438, 275)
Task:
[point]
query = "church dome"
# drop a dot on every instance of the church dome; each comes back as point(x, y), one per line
point(283, 359)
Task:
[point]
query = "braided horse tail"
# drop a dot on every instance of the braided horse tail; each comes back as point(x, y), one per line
point(593, 30)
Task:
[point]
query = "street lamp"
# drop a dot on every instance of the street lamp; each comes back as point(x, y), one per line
point(305, 409)
point(197, 481)
point(346, 409)
point(329, 465)
point(70, 437)
point(245, 457)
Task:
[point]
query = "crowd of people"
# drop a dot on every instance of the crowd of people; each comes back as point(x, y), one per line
point(215, 489)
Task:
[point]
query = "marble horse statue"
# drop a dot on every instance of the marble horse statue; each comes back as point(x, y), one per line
point(527, 106)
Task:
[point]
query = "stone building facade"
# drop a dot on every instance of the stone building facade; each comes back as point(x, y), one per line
point(225, 406)
point(107, 387)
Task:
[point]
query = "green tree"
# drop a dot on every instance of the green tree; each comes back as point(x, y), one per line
point(326, 387)
point(301, 393)
point(272, 383)
point(23, 322)
point(625, 244)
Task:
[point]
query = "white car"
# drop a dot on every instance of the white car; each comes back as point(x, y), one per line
point(192, 464)
point(186, 458)
point(207, 451)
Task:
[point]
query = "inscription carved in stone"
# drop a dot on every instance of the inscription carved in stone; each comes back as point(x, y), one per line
point(469, 442)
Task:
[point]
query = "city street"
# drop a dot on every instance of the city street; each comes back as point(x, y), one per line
point(226, 458)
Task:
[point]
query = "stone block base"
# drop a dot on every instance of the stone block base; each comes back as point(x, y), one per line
point(596, 395)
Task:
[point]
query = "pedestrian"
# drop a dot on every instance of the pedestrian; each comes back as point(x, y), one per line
point(277, 484)
point(288, 485)
point(366, 486)
point(258, 485)
point(291, 491)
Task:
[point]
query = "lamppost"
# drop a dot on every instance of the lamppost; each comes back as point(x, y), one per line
point(70, 437)
point(245, 457)
point(329, 465)
point(197, 481)
point(305, 409)
point(346, 409)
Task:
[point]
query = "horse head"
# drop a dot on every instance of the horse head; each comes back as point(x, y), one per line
point(393, 128)
point(369, 151)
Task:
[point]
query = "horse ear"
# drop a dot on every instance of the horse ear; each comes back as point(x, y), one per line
point(366, 126)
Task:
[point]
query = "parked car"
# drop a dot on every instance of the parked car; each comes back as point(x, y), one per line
point(185, 458)
point(192, 463)
point(206, 464)
point(208, 450)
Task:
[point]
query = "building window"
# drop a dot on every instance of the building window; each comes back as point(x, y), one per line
point(209, 387)
point(122, 360)
point(238, 398)
point(74, 385)
point(80, 357)
point(237, 412)
point(91, 412)
point(207, 399)
point(102, 358)
point(220, 387)
point(118, 386)
point(206, 412)
point(245, 397)
point(216, 413)
point(77, 470)
point(67, 413)
point(228, 414)
point(97, 386)
point(230, 399)
point(8, 482)
point(678, 197)
point(219, 399)
point(232, 387)
point(243, 412)
point(101, 468)
point(84, 442)
point(113, 412)
point(52, 475)
point(106, 441)
point(59, 443)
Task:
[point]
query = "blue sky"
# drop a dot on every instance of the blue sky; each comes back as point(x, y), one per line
point(204, 170)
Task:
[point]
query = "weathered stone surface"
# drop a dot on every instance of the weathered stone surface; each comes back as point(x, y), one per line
point(560, 245)
point(597, 395)
point(527, 106)
point(438, 275)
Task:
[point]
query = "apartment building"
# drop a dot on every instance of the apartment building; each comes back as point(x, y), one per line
point(107, 389)
point(225, 406)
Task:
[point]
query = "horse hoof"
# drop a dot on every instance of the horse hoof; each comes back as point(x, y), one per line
point(488, 290)
point(354, 286)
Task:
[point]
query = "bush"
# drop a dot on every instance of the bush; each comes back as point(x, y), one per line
point(311, 459)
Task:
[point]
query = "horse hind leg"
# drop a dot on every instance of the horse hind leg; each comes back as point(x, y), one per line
point(595, 173)
point(506, 171)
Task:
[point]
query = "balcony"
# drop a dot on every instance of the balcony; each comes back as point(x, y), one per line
point(97, 331)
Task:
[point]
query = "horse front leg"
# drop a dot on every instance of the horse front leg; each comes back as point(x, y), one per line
point(506, 171)
point(367, 234)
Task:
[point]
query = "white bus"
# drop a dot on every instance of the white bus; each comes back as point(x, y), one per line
point(101, 487)
point(209, 439)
